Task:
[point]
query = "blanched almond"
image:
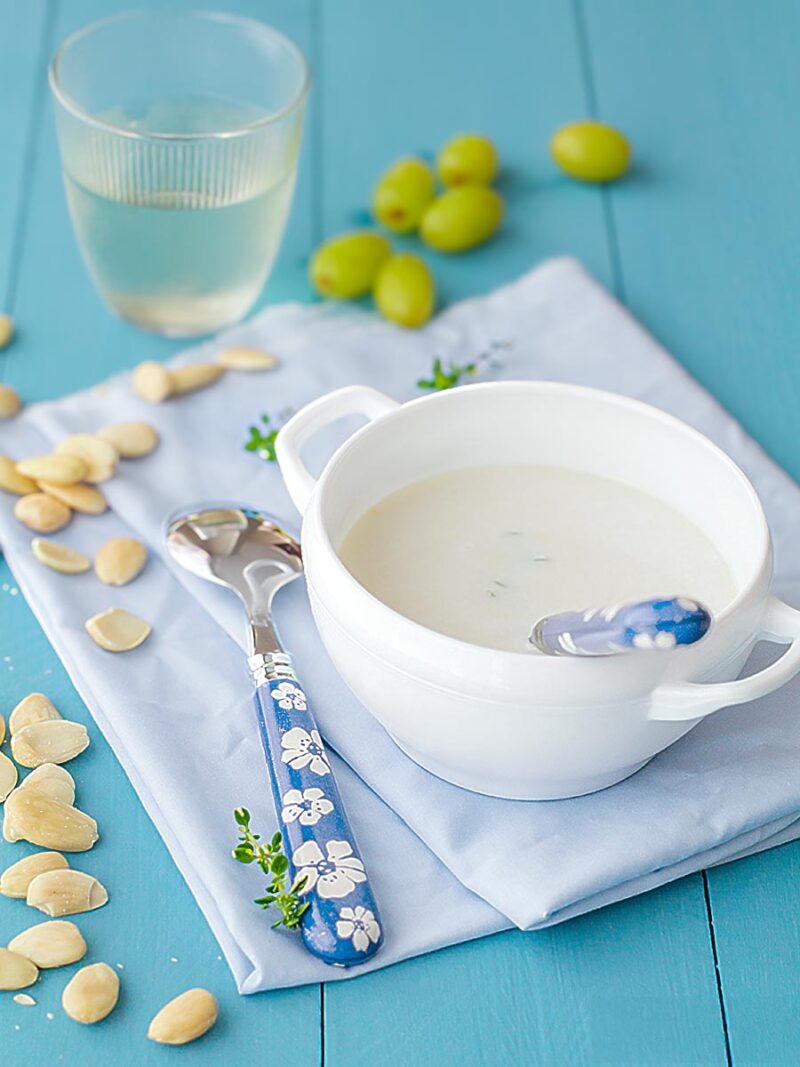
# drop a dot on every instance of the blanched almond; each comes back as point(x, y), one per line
point(152, 382)
point(59, 557)
point(57, 741)
point(194, 376)
point(99, 455)
point(246, 359)
point(50, 944)
point(15, 879)
point(53, 781)
point(58, 469)
point(24, 1000)
point(33, 816)
point(6, 330)
point(185, 1018)
point(66, 893)
point(11, 481)
point(117, 630)
point(8, 776)
point(42, 513)
point(16, 972)
point(91, 994)
point(120, 560)
point(2, 729)
point(10, 402)
point(131, 439)
point(84, 498)
point(35, 707)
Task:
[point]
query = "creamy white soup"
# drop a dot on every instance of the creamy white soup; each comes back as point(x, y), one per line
point(481, 553)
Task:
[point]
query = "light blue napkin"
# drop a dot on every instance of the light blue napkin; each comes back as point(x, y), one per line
point(447, 865)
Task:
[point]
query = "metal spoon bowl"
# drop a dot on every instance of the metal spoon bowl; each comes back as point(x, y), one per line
point(244, 550)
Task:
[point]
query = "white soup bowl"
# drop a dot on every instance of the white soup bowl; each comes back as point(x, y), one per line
point(506, 723)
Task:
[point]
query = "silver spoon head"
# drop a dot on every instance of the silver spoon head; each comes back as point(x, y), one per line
point(241, 548)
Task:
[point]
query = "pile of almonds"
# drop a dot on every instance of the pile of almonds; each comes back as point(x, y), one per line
point(41, 808)
point(53, 487)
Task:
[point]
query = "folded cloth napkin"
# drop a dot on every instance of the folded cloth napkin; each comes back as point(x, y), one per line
point(447, 865)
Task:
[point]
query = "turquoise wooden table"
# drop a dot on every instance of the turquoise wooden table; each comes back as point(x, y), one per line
point(702, 243)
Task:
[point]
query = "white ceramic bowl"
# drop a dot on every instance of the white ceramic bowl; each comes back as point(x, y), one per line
point(506, 723)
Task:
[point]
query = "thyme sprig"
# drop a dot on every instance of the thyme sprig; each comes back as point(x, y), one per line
point(274, 862)
point(442, 377)
point(262, 440)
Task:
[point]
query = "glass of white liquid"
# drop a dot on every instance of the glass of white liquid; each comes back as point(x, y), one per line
point(179, 134)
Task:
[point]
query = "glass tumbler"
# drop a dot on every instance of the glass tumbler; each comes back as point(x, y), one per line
point(179, 134)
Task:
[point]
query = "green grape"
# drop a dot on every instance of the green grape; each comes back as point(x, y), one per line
point(591, 151)
point(405, 291)
point(402, 194)
point(345, 267)
point(462, 217)
point(468, 159)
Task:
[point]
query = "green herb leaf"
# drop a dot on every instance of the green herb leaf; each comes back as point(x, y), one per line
point(275, 864)
point(262, 438)
point(262, 441)
point(279, 865)
point(442, 377)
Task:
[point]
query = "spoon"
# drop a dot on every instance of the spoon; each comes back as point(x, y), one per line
point(246, 551)
point(648, 624)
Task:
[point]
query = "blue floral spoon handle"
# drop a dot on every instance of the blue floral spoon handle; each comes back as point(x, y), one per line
point(342, 925)
point(649, 624)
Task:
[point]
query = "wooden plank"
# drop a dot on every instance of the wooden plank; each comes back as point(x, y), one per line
point(708, 222)
point(152, 925)
point(707, 229)
point(23, 29)
point(757, 933)
point(400, 81)
point(635, 983)
point(631, 984)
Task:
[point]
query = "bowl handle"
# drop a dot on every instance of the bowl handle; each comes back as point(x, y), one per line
point(352, 400)
point(683, 701)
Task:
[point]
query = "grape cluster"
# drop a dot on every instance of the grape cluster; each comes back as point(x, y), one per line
point(464, 214)
point(405, 200)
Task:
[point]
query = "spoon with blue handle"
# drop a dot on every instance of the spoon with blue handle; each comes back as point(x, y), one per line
point(648, 624)
point(247, 551)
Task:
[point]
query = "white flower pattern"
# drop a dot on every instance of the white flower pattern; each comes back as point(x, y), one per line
point(307, 806)
point(334, 876)
point(289, 697)
point(304, 749)
point(661, 640)
point(359, 925)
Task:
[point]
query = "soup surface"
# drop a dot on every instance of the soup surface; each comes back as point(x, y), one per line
point(482, 553)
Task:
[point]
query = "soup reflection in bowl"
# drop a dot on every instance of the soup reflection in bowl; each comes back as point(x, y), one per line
point(426, 572)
